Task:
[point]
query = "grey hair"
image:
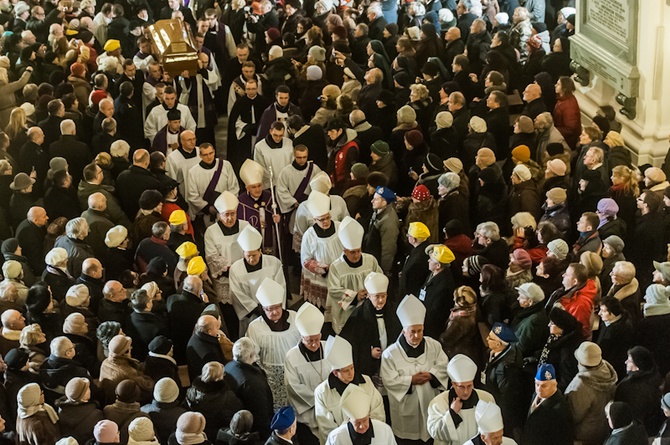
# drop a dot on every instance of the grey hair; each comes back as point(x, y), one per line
point(245, 350)
point(489, 229)
point(376, 8)
point(626, 268)
point(193, 284)
point(76, 227)
point(450, 181)
point(119, 149)
point(60, 345)
point(212, 372)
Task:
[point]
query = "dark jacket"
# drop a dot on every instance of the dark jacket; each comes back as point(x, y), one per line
point(31, 240)
point(129, 187)
point(78, 419)
point(438, 292)
point(454, 206)
point(530, 326)
point(615, 340)
point(158, 367)
point(313, 137)
point(143, 327)
point(497, 123)
point(559, 215)
point(645, 247)
point(550, 423)
point(414, 271)
point(201, 349)
point(164, 416)
point(184, 309)
point(56, 372)
point(251, 386)
point(524, 197)
point(641, 390)
point(77, 154)
point(503, 381)
point(634, 434)
point(59, 201)
point(115, 311)
point(216, 401)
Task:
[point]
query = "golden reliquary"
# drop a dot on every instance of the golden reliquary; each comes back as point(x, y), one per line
point(172, 42)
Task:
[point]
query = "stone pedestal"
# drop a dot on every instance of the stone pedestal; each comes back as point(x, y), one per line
point(621, 50)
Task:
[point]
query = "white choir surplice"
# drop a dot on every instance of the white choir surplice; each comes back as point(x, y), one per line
point(274, 346)
point(301, 378)
point(314, 287)
point(244, 285)
point(383, 434)
point(329, 414)
point(177, 167)
point(287, 184)
point(304, 219)
point(441, 426)
point(198, 180)
point(277, 158)
point(221, 251)
point(343, 282)
point(409, 403)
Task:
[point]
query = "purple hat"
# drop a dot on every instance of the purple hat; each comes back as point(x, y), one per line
point(608, 207)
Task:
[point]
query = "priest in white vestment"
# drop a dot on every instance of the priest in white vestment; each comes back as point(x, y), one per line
point(451, 415)
point(273, 152)
point(490, 423)
point(414, 371)
point(276, 333)
point(181, 160)
point(247, 273)
point(305, 368)
point(359, 427)
point(328, 394)
point(346, 278)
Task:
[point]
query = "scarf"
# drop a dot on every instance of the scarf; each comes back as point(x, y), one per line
point(11, 334)
point(271, 142)
point(163, 356)
point(281, 109)
point(280, 325)
point(190, 438)
point(30, 411)
point(361, 439)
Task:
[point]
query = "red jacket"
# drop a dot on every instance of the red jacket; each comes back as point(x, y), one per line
point(568, 119)
point(580, 305)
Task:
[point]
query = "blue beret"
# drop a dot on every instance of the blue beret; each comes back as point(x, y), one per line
point(283, 418)
point(386, 193)
point(545, 372)
point(504, 333)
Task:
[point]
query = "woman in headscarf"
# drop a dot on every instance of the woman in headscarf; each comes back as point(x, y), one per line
point(36, 422)
point(377, 60)
point(625, 429)
point(429, 45)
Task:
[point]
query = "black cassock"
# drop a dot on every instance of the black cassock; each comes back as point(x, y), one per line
point(248, 111)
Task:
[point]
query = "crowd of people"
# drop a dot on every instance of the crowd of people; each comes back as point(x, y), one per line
point(411, 234)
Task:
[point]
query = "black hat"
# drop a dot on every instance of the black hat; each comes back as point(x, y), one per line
point(9, 245)
point(38, 298)
point(168, 186)
point(564, 320)
point(341, 47)
point(174, 114)
point(160, 345)
point(539, 26)
point(377, 179)
point(387, 97)
point(149, 199)
point(431, 69)
point(16, 359)
point(554, 148)
point(642, 357)
point(335, 124)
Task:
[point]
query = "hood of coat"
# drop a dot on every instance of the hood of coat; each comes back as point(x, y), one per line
point(601, 378)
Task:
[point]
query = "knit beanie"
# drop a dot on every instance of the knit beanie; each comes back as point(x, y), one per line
point(557, 167)
point(444, 119)
point(615, 243)
point(380, 148)
point(360, 170)
point(9, 246)
point(166, 390)
point(558, 248)
point(406, 115)
point(191, 423)
point(141, 429)
point(643, 358)
point(475, 264)
point(521, 153)
point(421, 193)
point(414, 138)
point(433, 163)
point(76, 388)
point(522, 258)
point(478, 124)
point(657, 294)
point(106, 431)
point(453, 165)
point(127, 391)
point(12, 269)
point(149, 199)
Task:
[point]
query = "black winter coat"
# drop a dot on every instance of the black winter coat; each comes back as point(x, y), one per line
point(251, 386)
point(131, 184)
point(78, 419)
point(414, 271)
point(216, 401)
point(202, 349)
point(549, 424)
point(164, 416)
point(31, 240)
point(641, 390)
point(142, 328)
point(56, 372)
point(530, 326)
point(184, 309)
point(615, 340)
point(438, 294)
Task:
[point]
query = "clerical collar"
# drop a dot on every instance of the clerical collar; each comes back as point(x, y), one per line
point(186, 154)
point(280, 325)
point(207, 166)
point(358, 263)
point(467, 404)
point(173, 132)
point(255, 268)
point(311, 356)
point(299, 167)
point(339, 386)
point(168, 109)
point(271, 142)
point(321, 233)
point(411, 351)
point(361, 439)
point(227, 231)
point(282, 109)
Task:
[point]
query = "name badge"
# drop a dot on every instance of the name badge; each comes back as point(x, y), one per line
point(483, 377)
point(422, 294)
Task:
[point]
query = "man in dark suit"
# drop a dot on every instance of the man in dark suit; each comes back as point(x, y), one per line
point(414, 271)
point(549, 419)
point(51, 125)
point(377, 22)
point(77, 153)
point(132, 182)
point(143, 325)
point(31, 233)
point(133, 75)
point(184, 310)
point(175, 5)
point(203, 346)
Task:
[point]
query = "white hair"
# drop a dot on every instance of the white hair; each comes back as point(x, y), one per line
point(119, 149)
point(76, 227)
point(489, 229)
point(245, 350)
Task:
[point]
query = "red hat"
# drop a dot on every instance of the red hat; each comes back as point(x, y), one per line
point(341, 32)
point(414, 138)
point(78, 69)
point(273, 33)
point(522, 258)
point(421, 193)
point(97, 96)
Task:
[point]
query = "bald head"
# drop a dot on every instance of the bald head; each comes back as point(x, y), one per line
point(38, 216)
point(141, 158)
point(114, 291)
point(92, 267)
point(207, 324)
point(356, 117)
point(187, 139)
point(36, 135)
point(453, 34)
point(12, 319)
point(532, 92)
point(106, 107)
point(97, 201)
point(193, 284)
